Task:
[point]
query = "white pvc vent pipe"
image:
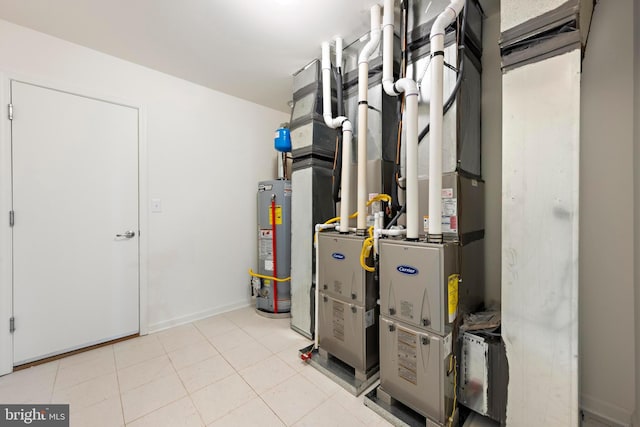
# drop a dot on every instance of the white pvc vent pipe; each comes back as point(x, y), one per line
point(436, 116)
point(347, 130)
point(363, 113)
point(410, 90)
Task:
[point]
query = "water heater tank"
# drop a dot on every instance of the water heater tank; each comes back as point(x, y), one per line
point(274, 247)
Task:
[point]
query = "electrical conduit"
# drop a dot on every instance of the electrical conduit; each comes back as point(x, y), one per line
point(410, 120)
point(363, 112)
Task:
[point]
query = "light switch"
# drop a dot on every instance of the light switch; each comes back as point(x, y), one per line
point(156, 205)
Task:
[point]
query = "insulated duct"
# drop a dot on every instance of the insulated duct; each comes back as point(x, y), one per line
point(341, 121)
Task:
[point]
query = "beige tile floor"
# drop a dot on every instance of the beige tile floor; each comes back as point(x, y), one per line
point(234, 369)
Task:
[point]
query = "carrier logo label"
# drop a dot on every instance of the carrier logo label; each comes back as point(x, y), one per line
point(338, 256)
point(407, 269)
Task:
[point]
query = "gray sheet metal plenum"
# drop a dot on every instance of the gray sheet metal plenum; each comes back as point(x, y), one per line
point(553, 33)
point(422, 14)
point(310, 136)
point(461, 128)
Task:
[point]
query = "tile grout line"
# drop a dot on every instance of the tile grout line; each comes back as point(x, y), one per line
point(53, 387)
point(296, 372)
point(272, 410)
point(244, 380)
point(119, 390)
point(245, 319)
point(326, 399)
point(200, 417)
point(165, 405)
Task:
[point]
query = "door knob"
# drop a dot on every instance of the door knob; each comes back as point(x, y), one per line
point(127, 234)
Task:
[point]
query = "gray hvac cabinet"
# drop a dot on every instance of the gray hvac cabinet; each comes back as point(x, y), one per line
point(414, 369)
point(349, 332)
point(420, 296)
point(348, 310)
point(311, 181)
point(413, 282)
point(340, 274)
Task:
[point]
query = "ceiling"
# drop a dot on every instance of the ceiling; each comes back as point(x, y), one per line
point(245, 48)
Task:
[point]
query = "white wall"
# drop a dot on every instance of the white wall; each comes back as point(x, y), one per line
point(607, 347)
point(206, 152)
point(492, 154)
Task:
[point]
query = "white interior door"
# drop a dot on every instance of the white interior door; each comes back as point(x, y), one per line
point(75, 189)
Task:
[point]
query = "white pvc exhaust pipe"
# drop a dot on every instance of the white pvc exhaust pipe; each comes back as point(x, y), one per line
point(363, 113)
point(411, 92)
point(347, 130)
point(436, 117)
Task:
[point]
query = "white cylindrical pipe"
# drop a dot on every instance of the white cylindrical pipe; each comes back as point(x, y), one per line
point(436, 117)
point(378, 232)
point(347, 132)
point(363, 113)
point(317, 292)
point(345, 186)
point(374, 36)
point(435, 139)
point(326, 87)
point(387, 48)
point(412, 197)
point(378, 225)
point(339, 52)
point(410, 118)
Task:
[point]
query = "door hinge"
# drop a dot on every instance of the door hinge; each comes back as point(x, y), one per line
point(12, 324)
point(10, 111)
point(12, 218)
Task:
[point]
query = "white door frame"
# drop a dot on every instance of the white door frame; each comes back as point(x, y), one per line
point(6, 288)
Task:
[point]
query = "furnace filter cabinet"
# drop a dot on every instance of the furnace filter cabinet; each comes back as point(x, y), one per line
point(274, 247)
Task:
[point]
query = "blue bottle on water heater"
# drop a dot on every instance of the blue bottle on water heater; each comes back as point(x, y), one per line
point(282, 140)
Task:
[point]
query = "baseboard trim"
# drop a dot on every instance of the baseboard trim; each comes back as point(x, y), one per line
point(608, 414)
point(177, 321)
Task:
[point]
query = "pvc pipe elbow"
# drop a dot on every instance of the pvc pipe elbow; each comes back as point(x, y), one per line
point(389, 88)
point(368, 49)
point(408, 86)
point(328, 120)
point(374, 39)
point(346, 124)
point(446, 17)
